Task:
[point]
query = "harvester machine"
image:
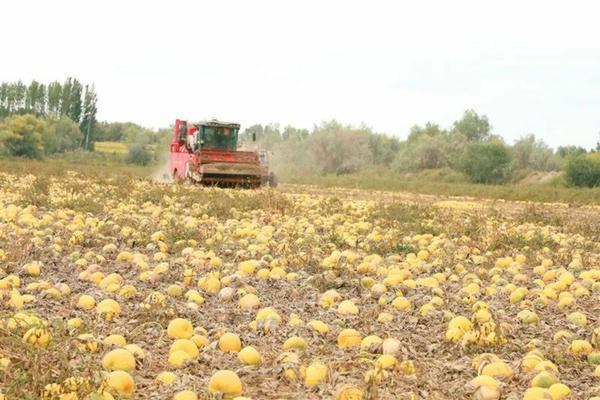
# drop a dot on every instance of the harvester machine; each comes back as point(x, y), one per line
point(207, 153)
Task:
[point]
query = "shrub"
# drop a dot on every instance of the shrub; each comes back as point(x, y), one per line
point(532, 153)
point(486, 162)
point(583, 170)
point(22, 136)
point(62, 135)
point(339, 149)
point(424, 152)
point(138, 154)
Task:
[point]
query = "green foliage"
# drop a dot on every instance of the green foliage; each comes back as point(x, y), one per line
point(62, 135)
point(113, 131)
point(339, 149)
point(139, 154)
point(53, 101)
point(331, 148)
point(383, 148)
point(269, 135)
point(429, 147)
point(429, 130)
point(294, 134)
point(255, 130)
point(65, 97)
point(88, 121)
point(35, 100)
point(531, 153)
point(423, 152)
point(566, 151)
point(127, 132)
point(75, 106)
point(486, 162)
point(32, 137)
point(474, 127)
point(23, 136)
point(583, 170)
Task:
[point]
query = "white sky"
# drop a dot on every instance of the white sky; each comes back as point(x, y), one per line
point(530, 66)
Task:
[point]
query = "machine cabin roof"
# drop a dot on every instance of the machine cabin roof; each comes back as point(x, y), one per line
point(218, 124)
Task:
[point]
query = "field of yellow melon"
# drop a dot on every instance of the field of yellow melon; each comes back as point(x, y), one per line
point(181, 292)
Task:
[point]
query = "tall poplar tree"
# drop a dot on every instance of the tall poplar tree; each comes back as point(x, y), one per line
point(88, 122)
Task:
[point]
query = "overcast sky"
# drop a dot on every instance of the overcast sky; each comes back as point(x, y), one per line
point(530, 66)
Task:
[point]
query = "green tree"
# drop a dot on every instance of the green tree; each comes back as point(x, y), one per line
point(31, 96)
point(339, 149)
point(54, 94)
point(39, 108)
point(11, 99)
point(270, 137)
point(22, 136)
point(75, 106)
point(430, 129)
point(88, 122)
point(65, 96)
point(294, 134)
point(35, 98)
point(132, 133)
point(486, 162)
point(426, 152)
point(529, 152)
point(267, 136)
point(566, 151)
point(583, 170)
point(383, 148)
point(52, 101)
point(20, 96)
point(62, 135)
point(139, 154)
point(474, 127)
point(116, 131)
point(4, 92)
point(255, 130)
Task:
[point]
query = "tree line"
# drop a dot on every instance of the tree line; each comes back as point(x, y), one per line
point(468, 146)
point(40, 119)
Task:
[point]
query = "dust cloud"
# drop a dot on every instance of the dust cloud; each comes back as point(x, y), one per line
point(161, 173)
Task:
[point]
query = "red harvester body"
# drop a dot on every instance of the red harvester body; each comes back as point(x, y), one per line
point(206, 153)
